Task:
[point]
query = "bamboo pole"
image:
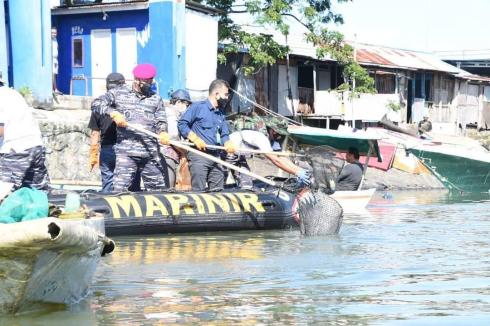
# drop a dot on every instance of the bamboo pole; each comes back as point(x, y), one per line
point(74, 182)
point(205, 155)
point(246, 150)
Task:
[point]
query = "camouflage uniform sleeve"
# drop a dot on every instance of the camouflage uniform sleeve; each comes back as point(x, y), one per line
point(225, 131)
point(104, 104)
point(160, 117)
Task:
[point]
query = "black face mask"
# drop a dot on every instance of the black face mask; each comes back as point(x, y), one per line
point(222, 102)
point(145, 88)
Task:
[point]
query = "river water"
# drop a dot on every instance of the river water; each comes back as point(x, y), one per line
point(412, 258)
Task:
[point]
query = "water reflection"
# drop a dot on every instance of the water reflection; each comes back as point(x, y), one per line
point(412, 256)
point(191, 248)
point(426, 197)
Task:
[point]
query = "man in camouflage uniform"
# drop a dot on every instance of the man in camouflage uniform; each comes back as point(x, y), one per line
point(103, 139)
point(261, 133)
point(22, 154)
point(136, 151)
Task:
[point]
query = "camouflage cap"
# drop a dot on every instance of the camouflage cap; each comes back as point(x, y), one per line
point(278, 125)
point(249, 122)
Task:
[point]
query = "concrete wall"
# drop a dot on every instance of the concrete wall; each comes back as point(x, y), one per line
point(67, 138)
point(368, 107)
point(201, 39)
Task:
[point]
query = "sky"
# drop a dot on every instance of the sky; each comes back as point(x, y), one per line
point(423, 25)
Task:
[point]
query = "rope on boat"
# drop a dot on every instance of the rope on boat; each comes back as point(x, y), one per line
point(263, 108)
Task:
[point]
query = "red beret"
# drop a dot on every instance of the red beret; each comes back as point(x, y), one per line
point(144, 71)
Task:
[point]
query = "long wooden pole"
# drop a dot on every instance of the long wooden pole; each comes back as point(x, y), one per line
point(247, 150)
point(205, 155)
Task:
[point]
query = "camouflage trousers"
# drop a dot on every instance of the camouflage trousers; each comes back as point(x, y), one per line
point(242, 180)
point(25, 169)
point(153, 172)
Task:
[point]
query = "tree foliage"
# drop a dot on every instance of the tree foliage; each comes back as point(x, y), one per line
point(314, 15)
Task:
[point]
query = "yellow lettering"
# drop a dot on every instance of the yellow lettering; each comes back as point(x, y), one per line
point(234, 202)
point(250, 200)
point(154, 204)
point(217, 199)
point(126, 203)
point(179, 201)
point(199, 205)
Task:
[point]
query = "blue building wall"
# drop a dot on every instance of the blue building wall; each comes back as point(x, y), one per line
point(159, 41)
point(81, 26)
point(3, 43)
point(30, 45)
point(167, 23)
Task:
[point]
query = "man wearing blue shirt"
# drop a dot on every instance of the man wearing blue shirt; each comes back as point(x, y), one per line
point(204, 124)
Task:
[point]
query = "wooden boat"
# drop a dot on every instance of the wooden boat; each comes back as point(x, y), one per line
point(459, 168)
point(365, 141)
point(49, 260)
point(340, 141)
point(354, 201)
point(460, 163)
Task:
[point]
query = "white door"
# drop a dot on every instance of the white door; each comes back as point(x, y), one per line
point(101, 54)
point(126, 51)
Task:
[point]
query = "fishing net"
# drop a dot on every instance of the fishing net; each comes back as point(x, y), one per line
point(319, 214)
point(325, 165)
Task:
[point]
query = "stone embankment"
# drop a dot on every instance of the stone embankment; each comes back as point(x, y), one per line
point(67, 139)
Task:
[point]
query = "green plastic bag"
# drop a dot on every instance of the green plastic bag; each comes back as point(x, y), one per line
point(23, 205)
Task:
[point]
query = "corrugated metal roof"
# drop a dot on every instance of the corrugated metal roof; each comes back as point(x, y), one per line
point(370, 55)
point(296, 41)
point(365, 53)
point(380, 56)
point(402, 59)
point(463, 74)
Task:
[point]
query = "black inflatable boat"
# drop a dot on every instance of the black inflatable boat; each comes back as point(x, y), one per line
point(173, 212)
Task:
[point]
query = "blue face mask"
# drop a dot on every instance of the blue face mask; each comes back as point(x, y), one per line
point(154, 88)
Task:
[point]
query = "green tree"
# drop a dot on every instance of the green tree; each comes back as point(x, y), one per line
point(314, 15)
